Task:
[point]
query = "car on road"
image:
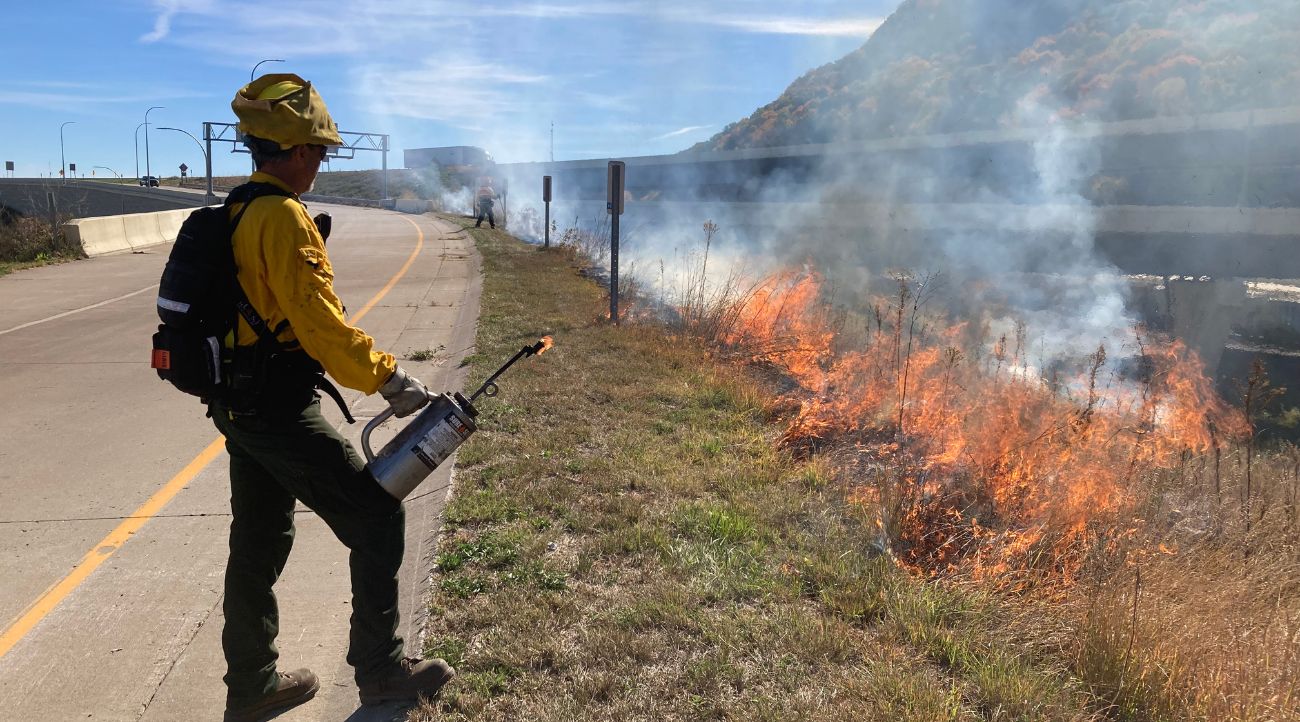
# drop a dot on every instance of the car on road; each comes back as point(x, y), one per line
point(149, 181)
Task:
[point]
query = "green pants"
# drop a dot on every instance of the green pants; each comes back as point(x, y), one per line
point(276, 459)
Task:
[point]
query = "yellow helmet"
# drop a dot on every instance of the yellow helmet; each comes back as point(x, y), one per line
point(279, 90)
point(284, 108)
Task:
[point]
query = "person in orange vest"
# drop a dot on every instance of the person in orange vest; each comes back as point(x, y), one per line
point(485, 199)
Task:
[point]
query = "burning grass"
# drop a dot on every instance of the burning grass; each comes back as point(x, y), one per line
point(981, 463)
point(893, 522)
point(627, 541)
point(1067, 483)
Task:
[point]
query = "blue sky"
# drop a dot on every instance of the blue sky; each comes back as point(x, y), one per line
point(617, 77)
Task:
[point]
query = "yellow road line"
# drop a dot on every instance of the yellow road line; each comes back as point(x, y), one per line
point(102, 551)
point(419, 243)
point(37, 610)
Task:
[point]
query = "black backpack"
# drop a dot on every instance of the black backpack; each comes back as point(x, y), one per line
point(200, 301)
point(199, 296)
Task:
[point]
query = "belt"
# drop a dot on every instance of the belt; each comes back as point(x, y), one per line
point(269, 403)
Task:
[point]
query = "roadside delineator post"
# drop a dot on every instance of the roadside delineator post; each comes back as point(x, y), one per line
point(614, 206)
point(546, 199)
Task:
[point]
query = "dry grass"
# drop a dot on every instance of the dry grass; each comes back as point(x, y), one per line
point(1183, 605)
point(626, 541)
point(27, 241)
point(1199, 616)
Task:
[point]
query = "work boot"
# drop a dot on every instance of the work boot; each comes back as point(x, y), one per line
point(291, 689)
point(407, 680)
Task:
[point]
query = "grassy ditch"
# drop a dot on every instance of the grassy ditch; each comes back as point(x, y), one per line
point(626, 541)
point(27, 242)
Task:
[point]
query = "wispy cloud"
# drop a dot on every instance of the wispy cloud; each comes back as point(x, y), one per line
point(824, 27)
point(331, 27)
point(86, 100)
point(61, 84)
point(680, 132)
point(167, 10)
point(162, 25)
point(604, 101)
point(238, 29)
point(557, 12)
point(464, 94)
point(688, 13)
point(491, 67)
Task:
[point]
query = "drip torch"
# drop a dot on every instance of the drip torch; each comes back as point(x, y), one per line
point(433, 435)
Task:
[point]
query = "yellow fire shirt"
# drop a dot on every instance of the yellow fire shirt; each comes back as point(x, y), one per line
point(286, 273)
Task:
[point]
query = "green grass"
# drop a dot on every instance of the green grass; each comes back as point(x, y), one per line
point(625, 541)
point(7, 267)
point(425, 354)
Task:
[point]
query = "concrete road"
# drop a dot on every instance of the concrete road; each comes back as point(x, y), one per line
point(114, 492)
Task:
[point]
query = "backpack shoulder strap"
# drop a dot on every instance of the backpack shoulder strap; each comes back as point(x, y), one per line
point(246, 194)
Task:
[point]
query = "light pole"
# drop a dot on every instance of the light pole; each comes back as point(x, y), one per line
point(110, 170)
point(253, 74)
point(137, 150)
point(147, 170)
point(209, 198)
point(63, 163)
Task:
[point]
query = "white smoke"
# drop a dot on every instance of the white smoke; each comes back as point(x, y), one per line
point(1039, 261)
point(1013, 254)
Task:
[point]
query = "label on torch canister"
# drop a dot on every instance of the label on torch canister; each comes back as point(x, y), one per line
point(441, 441)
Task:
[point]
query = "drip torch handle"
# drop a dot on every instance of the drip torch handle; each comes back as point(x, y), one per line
point(374, 423)
point(371, 426)
point(488, 386)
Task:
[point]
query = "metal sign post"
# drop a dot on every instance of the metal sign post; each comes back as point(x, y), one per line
point(383, 148)
point(546, 199)
point(207, 160)
point(614, 206)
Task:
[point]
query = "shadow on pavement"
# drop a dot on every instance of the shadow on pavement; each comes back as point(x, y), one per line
point(391, 712)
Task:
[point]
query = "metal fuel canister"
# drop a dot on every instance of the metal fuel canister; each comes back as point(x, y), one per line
point(422, 445)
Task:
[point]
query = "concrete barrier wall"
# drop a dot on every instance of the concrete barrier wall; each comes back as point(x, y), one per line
point(115, 234)
point(413, 206)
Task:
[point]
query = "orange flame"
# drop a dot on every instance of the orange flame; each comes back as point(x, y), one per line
point(990, 465)
point(547, 342)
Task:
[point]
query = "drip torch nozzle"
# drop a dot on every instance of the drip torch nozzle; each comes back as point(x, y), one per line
point(489, 388)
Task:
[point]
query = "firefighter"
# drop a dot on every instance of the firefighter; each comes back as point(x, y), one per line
point(281, 448)
point(485, 198)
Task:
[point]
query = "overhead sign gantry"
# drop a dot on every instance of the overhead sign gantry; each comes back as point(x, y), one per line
point(352, 142)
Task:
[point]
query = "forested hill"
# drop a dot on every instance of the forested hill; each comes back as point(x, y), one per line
point(939, 66)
